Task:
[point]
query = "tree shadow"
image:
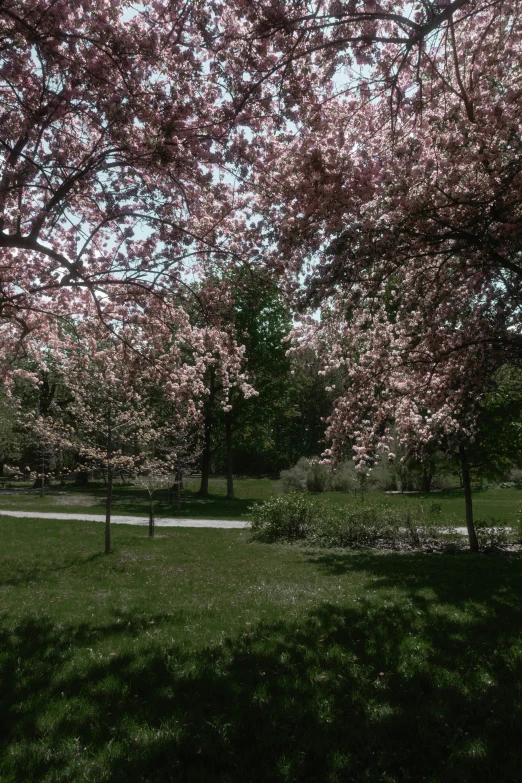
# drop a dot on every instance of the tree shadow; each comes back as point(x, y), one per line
point(406, 689)
point(28, 574)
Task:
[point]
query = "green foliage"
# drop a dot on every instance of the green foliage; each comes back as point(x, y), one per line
point(318, 479)
point(10, 439)
point(310, 474)
point(517, 527)
point(344, 477)
point(357, 528)
point(296, 516)
point(283, 518)
point(497, 447)
point(491, 535)
point(295, 479)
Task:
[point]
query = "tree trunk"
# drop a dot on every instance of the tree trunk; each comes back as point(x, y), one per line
point(228, 440)
point(466, 481)
point(205, 457)
point(151, 516)
point(108, 514)
point(426, 480)
point(42, 488)
point(109, 486)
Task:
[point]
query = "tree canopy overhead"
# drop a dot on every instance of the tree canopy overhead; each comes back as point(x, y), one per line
point(368, 154)
point(392, 203)
point(111, 130)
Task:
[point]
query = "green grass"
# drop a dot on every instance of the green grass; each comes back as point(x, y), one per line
point(134, 500)
point(501, 505)
point(200, 656)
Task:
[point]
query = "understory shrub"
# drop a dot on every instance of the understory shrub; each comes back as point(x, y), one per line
point(296, 516)
point(283, 518)
point(491, 535)
point(294, 479)
point(318, 478)
point(344, 478)
point(355, 527)
point(312, 475)
point(517, 527)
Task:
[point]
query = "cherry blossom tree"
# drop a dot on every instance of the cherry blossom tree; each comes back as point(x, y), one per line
point(390, 190)
point(368, 153)
point(113, 134)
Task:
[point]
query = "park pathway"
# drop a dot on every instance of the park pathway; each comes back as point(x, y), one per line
point(128, 520)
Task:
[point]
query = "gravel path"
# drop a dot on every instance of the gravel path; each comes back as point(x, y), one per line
point(127, 520)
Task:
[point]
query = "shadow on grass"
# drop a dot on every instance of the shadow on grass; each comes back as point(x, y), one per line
point(423, 685)
point(134, 501)
point(192, 505)
point(27, 575)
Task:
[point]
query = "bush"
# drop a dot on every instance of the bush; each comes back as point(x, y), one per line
point(344, 478)
point(318, 478)
point(307, 474)
point(517, 528)
point(515, 476)
point(356, 528)
point(491, 535)
point(312, 475)
point(295, 479)
point(295, 517)
point(384, 476)
point(283, 518)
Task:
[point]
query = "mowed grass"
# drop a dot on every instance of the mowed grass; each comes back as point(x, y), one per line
point(131, 500)
point(492, 505)
point(200, 656)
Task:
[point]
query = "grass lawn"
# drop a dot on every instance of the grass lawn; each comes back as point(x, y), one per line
point(500, 505)
point(135, 501)
point(200, 656)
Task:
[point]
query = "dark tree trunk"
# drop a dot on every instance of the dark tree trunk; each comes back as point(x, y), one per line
point(47, 392)
point(466, 481)
point(44, 480)
point(426, 479)
point(228, 441)
point(108, 514)
point(109, 486)
point(179, 487)
point(39, 482)
point(205, 457)
point(151, 516)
